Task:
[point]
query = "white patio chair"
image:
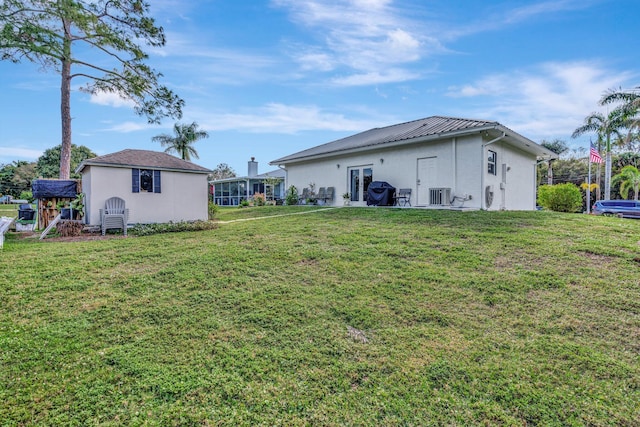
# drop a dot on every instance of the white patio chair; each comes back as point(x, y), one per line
point(114, 215)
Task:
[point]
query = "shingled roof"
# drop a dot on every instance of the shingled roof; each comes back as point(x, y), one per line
point(429, 128)
point(143, 159)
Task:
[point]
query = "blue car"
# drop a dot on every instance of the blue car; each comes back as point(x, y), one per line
point(619, 208)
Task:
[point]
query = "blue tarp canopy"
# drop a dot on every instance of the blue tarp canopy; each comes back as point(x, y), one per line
point(44, 188)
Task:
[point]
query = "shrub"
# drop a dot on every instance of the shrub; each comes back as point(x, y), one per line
point(560, 197)
point(244, 203)
point(213, 209)
point(259, 199)
point(27, 195)
point(171, 227)
point(292, 195)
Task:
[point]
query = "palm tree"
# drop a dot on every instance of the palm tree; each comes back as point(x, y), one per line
point(630, 104)
point(558, 146)
point(604, 127)
point(629, 179)
point(181, 143)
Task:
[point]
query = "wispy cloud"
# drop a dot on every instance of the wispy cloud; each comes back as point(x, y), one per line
point(284, 119)
point(127, 127)
point(548, 99)
point(111, 99)
point(524, 13)
point(195, 60)
point(13, 153)
point(376, 77)
point(359, 38)
point(498, 18)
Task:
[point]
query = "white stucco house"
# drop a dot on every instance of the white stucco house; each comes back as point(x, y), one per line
point(156, 187)
point(446, 162)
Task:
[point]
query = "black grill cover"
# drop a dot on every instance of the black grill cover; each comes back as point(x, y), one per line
point(26, 212)
point(45, 188)
point(380, 193)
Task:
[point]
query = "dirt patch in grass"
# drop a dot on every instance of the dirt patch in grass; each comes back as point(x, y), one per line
point(598, 257)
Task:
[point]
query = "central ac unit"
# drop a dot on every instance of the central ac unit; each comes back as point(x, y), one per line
point(440, 196)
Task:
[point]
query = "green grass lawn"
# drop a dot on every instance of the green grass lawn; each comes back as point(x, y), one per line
point(340, 317)
point(10, 210)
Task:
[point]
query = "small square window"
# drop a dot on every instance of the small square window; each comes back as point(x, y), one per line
point(492, 161)
point(146, 180)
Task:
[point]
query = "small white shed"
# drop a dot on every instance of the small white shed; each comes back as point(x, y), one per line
point(156, 187)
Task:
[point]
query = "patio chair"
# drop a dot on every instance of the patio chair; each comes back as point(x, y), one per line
point(114, 215)
point(404, 197)
point(302, 199)
point(321, 194)
point(328, 197)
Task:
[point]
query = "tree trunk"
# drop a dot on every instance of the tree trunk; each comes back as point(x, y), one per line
point(65, 105)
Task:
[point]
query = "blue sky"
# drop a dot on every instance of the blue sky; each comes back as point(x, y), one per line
point(267, 78)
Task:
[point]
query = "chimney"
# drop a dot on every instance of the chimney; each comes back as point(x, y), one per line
point(253, 167)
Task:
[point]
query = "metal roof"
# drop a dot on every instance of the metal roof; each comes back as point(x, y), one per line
point(429, 128)
point(278, 173)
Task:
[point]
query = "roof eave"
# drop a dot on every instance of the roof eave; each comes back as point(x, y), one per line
point(113, 165)
point(523, 143)
point(527, 145)
point(451, 134)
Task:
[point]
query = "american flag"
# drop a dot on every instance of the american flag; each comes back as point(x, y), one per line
point(594, 156)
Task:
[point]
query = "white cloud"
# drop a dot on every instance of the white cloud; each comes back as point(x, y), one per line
point(111, 99)
point(524, 13)
point(547, 100)
point(315, 61)
point(286, 119)
point(359, 37)
point(495, 18)
point(375, 77)
point(128, 127)
point(10, 154)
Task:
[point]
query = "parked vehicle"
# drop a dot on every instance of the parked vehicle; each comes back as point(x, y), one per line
point(5, 199)
point(619, 208)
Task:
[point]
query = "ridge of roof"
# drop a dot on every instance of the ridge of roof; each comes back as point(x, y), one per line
point(143, 159)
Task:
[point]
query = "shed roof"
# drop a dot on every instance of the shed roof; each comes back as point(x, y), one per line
point(143, 159)
point(430, 128)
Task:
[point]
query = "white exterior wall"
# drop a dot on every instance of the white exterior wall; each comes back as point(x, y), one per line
point(460, 164)
point(517, 191)
point(184, 196)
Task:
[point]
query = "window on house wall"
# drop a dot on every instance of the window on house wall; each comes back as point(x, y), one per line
point(145, 181)
point(492, 162)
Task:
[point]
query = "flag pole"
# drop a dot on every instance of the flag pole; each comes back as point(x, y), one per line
point(589, 186)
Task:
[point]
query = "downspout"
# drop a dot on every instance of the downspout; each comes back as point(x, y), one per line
point(454, 146)
point(483, 170)
point(286, 180)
